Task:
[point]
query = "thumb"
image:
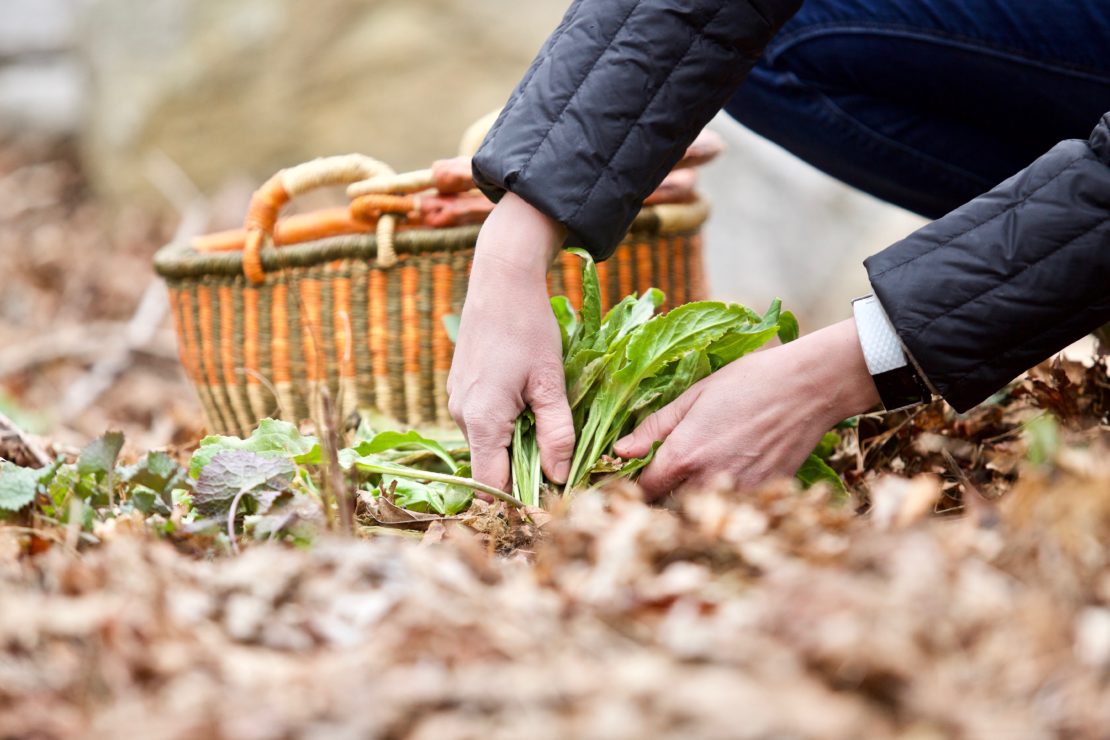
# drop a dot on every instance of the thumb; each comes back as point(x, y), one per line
point(546, 395)
point(656, 427)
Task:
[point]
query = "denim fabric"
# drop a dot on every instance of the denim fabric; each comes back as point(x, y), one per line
point(929, 103)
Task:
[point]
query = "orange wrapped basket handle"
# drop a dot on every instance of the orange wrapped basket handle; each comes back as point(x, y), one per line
point(275, 193)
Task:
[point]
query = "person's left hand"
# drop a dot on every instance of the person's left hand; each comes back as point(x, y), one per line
point(759, 417)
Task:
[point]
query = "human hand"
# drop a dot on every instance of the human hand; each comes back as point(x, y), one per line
point(509, 351)
point(759, 417)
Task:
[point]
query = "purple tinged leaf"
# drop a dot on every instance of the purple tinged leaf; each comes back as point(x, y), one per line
point(231, 472)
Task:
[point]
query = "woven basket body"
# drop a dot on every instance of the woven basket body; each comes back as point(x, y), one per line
point(327, 315)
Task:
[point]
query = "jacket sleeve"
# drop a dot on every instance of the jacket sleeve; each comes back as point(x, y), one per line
point(613, 99)
point(1003, 282)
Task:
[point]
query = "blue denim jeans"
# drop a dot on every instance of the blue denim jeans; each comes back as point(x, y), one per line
point(929, 103)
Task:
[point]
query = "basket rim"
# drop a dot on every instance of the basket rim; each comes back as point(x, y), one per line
point(179, 260)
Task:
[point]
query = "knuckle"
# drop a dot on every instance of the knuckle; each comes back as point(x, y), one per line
point(481, 413)
point(547, 384)
point(561, 436)
point(679, 463)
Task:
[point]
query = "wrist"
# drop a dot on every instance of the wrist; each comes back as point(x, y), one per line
point(518, 239)
point(836, 372)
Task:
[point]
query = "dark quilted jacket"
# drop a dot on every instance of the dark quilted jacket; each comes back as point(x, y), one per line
point(623, 86)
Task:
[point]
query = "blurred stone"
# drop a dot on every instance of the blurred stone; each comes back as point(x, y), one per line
point(33, 26)
point(255, 85)
point(45, 95)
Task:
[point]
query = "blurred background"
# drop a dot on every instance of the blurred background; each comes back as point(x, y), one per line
point(125, 123)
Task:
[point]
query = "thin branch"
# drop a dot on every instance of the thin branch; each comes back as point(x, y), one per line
point(32, 448)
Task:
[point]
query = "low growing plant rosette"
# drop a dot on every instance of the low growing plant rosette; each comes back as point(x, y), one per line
point(631, 362)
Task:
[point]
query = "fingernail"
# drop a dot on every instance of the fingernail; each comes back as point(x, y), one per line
point(621, 445)
point(562, 470)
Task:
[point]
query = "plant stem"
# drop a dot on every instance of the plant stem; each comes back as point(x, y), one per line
point(453, 480)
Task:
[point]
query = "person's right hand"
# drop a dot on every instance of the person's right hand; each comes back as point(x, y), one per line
point(509, 352)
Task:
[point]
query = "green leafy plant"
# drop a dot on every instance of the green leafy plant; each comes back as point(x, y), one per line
point(629, 363)
point(95, 488)
point(620, 367)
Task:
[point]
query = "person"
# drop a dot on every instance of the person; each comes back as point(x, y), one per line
point(930, 104)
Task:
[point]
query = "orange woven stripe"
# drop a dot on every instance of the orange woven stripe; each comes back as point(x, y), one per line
point(379, 331)
point(344, 344)
point(699, 291)
point(179, 301)
point(311, 328)
point(410, 322)
point(603, 278)
point(208, 348)
point(678, 264)
point(441, 306)
point(279, 333)
point(624, 269)
point(250, 334)
point(644, 278)
point(572, 278)
point(227, 334)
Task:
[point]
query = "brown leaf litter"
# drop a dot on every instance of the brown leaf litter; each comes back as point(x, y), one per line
point(769, 614)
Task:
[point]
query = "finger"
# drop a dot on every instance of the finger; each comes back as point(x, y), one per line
point(667, 471)
point(546, 395)
point(657, 426)
point(491, 466)
point(489, 436)
point(454, 408)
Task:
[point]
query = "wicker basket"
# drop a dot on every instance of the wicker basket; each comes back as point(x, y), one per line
point(356, 303)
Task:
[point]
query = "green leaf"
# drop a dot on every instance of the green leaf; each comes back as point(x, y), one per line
point(636, 464)
point(568, 322)
point(625, 365)
point(525, 460)
point(414, 495)
point(148, 501)
point(231, 472)
point(390, 440)
point(590, 315)
point(17, 486)
point(827, 446)
point(747, 337)
point(627, 316)
point(650, 348)
point(157, 471)
point(788, 327)
point(456, 499)
point(582, 375)
point(692, 367)
point(271, 437)
point(451, 326)
point(427, 497)
point(1042, 436)
point(99, 456)
point(815, 470)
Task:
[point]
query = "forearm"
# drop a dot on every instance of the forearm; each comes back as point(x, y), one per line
point(1005, 281)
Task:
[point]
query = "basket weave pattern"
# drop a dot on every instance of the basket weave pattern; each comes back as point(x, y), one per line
point(353, 300)
point(327, 316)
